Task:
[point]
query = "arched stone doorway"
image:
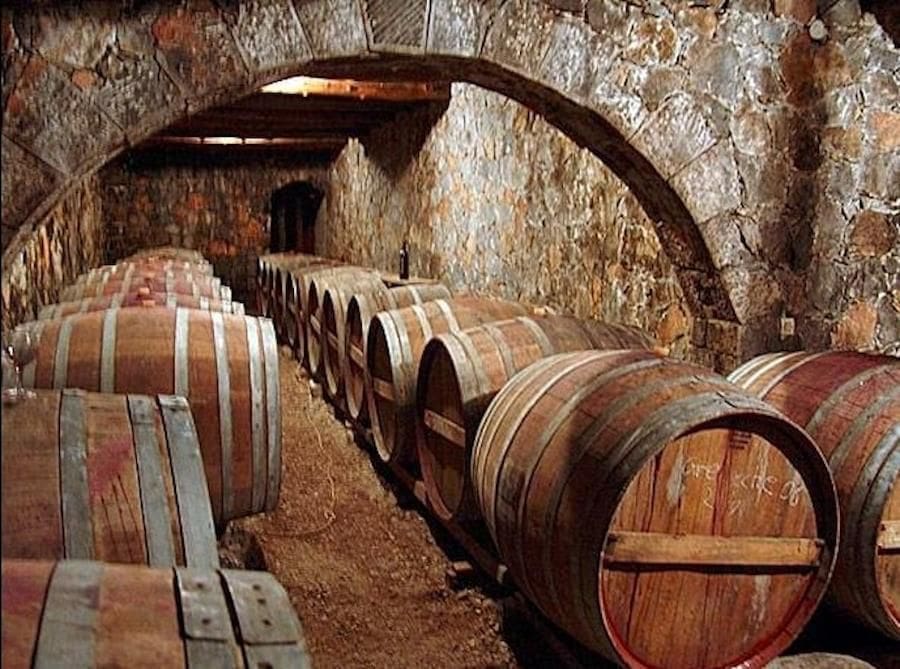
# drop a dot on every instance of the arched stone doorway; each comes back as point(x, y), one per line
point(292, 217)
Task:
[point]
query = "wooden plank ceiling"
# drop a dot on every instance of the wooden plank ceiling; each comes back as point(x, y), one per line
point(308, 119)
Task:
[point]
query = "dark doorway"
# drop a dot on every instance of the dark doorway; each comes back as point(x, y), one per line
point(294, 209)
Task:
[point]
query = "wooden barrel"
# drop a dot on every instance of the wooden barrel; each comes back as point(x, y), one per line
point(393, 350)
point(659, 514)
point(117, 478)
point(264, 271)
point(461, 372)
point(137, 274)
point(168, 252)
point(282, 263)
point(148, 266)
point(81, 613)
point(291, 309)
point(850, 405)
point(360, 310)
point(225, 365)
point(198, 286)
point(140, 299)
point(351, 278)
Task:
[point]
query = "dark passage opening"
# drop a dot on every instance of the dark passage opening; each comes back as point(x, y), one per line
point(293, 217)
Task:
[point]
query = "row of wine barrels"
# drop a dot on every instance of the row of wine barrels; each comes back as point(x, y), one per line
point(148, 266)
point(168, 253)
point(347, 318)
point(659, 514)
point(225, 365)
point(394, 347)
point(143, 298)
point(850, 404)
point(93, 476)
point(461, 372)
point(81, 613)
point(292, 305)
point(352, 280)
point(198, 286)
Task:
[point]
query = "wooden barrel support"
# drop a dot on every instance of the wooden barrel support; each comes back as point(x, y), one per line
point(393, 350)
point(461, 372)
point(117, 478)
point(850, 404)
point(140, 299)
point(225, 365)
point(360, 311)
point(657, 513)
point(80, 613)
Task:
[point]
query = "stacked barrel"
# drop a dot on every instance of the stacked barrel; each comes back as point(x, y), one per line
point(633, 498)
point(154, 421)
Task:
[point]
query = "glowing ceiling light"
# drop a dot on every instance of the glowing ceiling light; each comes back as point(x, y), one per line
point(223, 140)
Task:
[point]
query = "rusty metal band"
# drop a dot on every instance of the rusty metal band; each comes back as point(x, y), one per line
point(206, 620)
point(61, 363)
point(204, 303)
point(67, 628)
point(509, 365)
point(538, 333)
point(78, 532)
point(262, 608)
point(182, 339)
point(189, 477)
point(258, 457)
point(838, 396)
point(273, 412)
point(29, 370)
point(108, 352)
point(171, 300)
point(858, 426)
point(450, 317)
point(750, 366)
point(223, 385)
point(154, 501)
point(751, 378)
point(477, 364)
point(785, 372)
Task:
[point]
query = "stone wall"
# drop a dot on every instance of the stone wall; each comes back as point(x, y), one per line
point(493, 199)
point(221, 210)
point(66, 243)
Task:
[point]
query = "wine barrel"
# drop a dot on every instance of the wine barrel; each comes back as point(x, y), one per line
point(360, 310)
point(225, 365)
point(81, 613)
point(148, 266)
point(352, 278)
point(168, 252)
point(850, 405)
point(138, 274)
point(659, 514)
point(461, 372)
point(393, 349)
point(199, 286)
point(140, 299)
point(264, 270)
point(290, 303)
point(93, 476)
point(281, 263)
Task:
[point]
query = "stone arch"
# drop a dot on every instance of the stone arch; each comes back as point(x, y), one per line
point(83, 87)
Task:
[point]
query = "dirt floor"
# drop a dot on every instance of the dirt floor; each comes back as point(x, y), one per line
point(365, 575)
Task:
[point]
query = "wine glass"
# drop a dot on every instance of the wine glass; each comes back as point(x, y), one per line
point(20, 347)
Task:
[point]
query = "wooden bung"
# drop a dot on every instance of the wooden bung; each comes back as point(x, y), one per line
point(225, 365)
point(849, 403)
point(143, 298)
point(657, 513)
point(169, 253)
point(360, 310)
point(197, 286)
point(81, 613)
point(351, 278)
point(461, 372)
point(117, 478)
point(393, 350)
